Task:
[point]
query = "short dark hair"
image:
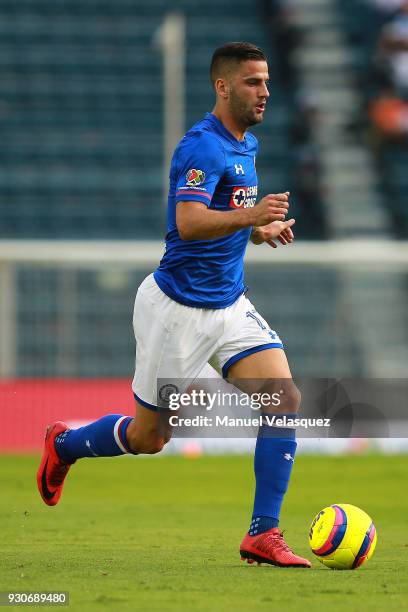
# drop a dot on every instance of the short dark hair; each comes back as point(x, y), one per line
point(233, 53)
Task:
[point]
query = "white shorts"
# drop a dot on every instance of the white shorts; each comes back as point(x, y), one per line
point(174, 341)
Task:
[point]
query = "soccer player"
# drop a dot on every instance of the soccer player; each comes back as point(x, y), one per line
point(193, 309)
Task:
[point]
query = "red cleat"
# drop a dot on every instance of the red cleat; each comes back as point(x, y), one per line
point(270, 547)
point(52, 471)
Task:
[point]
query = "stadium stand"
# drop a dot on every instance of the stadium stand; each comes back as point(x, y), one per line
point(382, 116)
point(81, 127)
point(82, 157)
point(81, 113)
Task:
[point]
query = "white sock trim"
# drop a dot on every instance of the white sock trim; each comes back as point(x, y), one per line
point(116, 434)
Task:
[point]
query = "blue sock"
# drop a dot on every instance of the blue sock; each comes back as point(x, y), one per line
point(274, 455)
point(105, 437)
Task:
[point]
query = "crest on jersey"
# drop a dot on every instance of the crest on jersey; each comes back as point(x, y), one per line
point(243, 196)
point(238, 197)
point(195, 177)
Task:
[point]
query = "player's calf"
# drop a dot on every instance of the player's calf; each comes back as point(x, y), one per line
point(148, 432)
point(146, 444)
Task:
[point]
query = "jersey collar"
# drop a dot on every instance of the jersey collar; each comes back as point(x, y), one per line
point(243, 144)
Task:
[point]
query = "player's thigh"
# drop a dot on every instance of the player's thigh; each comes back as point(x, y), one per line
point(249, 348)
point(267, 372)
point(173, 343)
point(270, 363)
point(152, 323)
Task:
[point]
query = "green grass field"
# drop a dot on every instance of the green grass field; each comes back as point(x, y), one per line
point(163, 533)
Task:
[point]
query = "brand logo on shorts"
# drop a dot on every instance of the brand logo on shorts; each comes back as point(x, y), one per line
point(195, 177)
point(166, 391)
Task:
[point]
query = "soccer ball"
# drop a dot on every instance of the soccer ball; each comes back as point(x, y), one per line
point(342, 536)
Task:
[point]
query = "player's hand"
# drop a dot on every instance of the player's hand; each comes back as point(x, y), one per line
point(273, 207)
point(277, 230)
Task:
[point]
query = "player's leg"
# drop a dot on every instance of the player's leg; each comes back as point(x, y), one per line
point(268, 372)
point(169, 344)
point(148, 432)
point(251, 357)
point(109, 436)
point(114, 434)
point(105, 437)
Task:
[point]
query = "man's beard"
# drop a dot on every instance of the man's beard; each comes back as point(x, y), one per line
point(244, 114)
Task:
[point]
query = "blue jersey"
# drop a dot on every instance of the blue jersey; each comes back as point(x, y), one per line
point(210, 166)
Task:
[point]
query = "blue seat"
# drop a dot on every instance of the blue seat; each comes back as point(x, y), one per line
point(82, 112)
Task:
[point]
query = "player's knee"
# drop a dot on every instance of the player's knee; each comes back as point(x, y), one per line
point(292, 399)
point(289, 397)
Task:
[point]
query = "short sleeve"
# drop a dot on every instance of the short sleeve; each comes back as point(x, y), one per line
point(200, 166)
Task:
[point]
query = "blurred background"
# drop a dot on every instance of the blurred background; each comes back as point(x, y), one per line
point(93, 98)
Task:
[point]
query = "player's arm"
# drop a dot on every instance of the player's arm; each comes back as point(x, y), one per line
point(195, 221)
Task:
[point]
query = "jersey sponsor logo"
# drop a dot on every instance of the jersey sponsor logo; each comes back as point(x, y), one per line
point(243, 197)
point(195, 177)
point(239, 169)
point(238, 197)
